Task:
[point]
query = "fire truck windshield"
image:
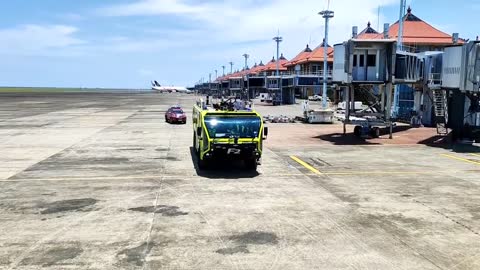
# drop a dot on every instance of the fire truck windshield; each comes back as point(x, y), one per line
point(233, 127)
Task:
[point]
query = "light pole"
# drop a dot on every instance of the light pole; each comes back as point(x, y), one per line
point(396, 92)
point(223, 67)
point(246, 59)
point(326, 14)
point(403, 3)
point(231, 67)
point(278, 39)
point(216, 74)
point(246, 67)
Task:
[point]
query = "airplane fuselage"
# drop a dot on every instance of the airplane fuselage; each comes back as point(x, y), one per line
point(168, 89)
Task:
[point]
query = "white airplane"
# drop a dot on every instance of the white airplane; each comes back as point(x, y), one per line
point(169, 89)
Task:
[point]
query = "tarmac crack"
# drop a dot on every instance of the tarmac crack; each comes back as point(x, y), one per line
point(147, 249)
point(468, 228)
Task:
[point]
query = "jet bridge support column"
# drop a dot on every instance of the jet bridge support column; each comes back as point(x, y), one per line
point(416, 120)
point(388, 109)
point(347, 91)
point(381, 88)
point(352, 99)
point(456, 114)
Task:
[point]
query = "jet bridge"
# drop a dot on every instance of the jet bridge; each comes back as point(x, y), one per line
point(360, 67)
point(367, 70)
point(461, 80)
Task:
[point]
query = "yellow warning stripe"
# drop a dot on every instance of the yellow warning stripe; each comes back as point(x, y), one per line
point(306, 165)
point(462, 159)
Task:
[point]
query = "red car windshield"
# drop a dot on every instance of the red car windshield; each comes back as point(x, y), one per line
point(177, 111)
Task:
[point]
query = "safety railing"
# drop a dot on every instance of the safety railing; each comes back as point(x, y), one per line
point(308, 73)
point(434, 79)
point(293, 73)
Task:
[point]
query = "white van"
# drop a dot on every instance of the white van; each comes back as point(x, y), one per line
point(265, 97)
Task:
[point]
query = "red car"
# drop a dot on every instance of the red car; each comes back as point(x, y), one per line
point(175, 115)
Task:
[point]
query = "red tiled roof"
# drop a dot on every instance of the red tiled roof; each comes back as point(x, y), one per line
point(368, 33)
point(318, 55)
point(222, 78)
point(234, 74)
point(369, 36)
point(420, 32)
point(259, 68)
point(302, 55)
point(256, 68)
point(237, 74)
point(272, 65)
point(415, 31)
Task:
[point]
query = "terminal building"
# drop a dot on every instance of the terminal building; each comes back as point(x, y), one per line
point(417, 73)
point(307, 67)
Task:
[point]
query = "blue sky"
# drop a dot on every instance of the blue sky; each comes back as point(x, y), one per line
point(128, 43)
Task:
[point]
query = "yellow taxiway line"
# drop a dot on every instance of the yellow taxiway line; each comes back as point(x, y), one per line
point(306, 165)
point(462, 159)
point(317, 172)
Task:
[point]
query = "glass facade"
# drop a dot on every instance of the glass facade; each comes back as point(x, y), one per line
point(404, 106)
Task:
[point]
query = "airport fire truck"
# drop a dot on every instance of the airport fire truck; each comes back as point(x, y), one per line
point(227, 130)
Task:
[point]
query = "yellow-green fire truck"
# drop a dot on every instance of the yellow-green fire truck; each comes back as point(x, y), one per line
point(227, 130)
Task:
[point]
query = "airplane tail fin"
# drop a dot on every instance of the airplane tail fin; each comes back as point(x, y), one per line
point(157, 84)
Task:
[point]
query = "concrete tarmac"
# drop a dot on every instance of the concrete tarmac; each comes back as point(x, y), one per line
point(100, 181)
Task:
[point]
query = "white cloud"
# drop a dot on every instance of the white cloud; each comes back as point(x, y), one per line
point(151, 7)
point(60, 40)
point(144, 45)
point(231, 22)
point(38, 39)
point(72, 17)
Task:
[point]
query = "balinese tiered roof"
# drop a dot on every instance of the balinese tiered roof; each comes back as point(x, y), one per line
point(317, 55)
point(369, 33)
point(302, 55)
point(415, 32)
point(257, 68)
point(272, 65)
point(260, 68)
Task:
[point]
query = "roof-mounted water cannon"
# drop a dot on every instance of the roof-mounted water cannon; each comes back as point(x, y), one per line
point(232, 104)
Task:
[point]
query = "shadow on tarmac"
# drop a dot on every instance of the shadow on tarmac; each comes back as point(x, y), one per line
point(438, 141)
point(223, 169)
point(348, 139)
point(445, 142)
point(351, 139)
